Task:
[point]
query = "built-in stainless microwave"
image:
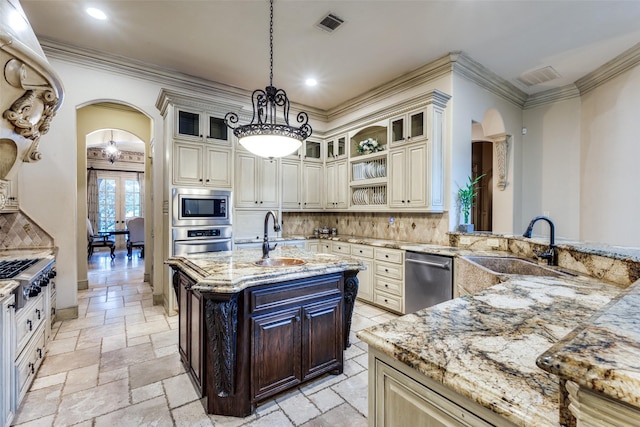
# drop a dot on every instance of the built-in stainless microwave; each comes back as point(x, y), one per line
point(199, 206)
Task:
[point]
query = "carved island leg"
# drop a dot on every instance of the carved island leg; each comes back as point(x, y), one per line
point(221, 318)
point(350, 292)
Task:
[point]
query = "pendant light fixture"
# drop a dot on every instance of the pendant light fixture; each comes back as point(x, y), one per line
point(111, 151)
point(264, 136)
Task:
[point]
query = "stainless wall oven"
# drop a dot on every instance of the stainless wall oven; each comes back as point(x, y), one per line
point(201, 207)
point(194, 240)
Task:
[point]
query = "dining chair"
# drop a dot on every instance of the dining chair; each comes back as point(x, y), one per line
point(100, 240)
point(135, 238)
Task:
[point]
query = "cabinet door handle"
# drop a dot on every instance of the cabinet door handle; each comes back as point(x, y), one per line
point(32, 367)
point(408, 201)
point(200, 180)
point(30, 324)
point(39, 350)
point(386, 286)
point(260, 201)
point(208, 180)
point(38, 313)
point(386, 270)
point(386, 256)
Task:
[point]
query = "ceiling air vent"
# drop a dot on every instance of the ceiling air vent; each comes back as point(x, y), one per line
point(541, 75)
point(329, 23)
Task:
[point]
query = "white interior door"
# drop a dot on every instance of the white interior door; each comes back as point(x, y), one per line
point(119, 198)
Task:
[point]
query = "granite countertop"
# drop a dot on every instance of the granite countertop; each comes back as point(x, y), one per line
point(233, 271)
point(484, 346)
point(6, 286)
point(604, 354)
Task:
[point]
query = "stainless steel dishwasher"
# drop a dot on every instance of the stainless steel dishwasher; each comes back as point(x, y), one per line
point(428, 280)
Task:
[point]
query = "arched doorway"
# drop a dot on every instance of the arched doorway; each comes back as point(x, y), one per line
point(93, 120)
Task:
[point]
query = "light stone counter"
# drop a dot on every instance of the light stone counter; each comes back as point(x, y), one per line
point(6, 286)
point(484, 346)
point(604, 355)
point(233, 271)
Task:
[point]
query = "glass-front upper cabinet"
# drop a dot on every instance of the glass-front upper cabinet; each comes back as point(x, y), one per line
point(313, 150)
point(411, 127)
point(337, 147)
point(200, 126)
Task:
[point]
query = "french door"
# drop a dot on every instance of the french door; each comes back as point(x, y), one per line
point(119, 198)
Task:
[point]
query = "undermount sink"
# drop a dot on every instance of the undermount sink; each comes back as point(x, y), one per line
point(507, 265)
point(279, 262)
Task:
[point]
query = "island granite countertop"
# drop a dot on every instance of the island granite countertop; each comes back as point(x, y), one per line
point(484, 346)
point(233, 271)
point(604, 354)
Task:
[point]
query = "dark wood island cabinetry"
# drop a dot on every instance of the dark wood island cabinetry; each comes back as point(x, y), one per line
point(285, 327)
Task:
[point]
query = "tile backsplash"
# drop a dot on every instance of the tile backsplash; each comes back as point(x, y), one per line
point(409, 227)
point(18, 231)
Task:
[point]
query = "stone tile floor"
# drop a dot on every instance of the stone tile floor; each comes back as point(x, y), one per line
point(118, 365)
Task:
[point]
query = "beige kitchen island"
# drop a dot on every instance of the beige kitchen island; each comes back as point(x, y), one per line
point(248, 332)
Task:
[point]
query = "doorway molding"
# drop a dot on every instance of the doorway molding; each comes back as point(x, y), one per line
point(133, 120)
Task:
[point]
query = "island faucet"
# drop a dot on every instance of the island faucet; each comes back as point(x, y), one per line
point(276, 227)
point(550, 255)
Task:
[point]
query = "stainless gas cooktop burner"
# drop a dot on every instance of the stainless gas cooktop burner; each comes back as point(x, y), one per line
point(12, 268)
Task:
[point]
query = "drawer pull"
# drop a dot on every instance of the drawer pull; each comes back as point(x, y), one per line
point(38, 313)
point(386, 256)
point(30, 324)
point(32, 367)
point(386, 270)
point(386, 286)
point(39, 350)
point(386, 300)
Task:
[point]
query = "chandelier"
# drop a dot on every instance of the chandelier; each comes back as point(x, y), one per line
point(264, 136)
point(111, 151)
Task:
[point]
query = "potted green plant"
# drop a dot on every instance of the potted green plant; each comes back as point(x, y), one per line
point(466, 197)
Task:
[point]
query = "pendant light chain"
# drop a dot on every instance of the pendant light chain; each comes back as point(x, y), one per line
point(271, 45)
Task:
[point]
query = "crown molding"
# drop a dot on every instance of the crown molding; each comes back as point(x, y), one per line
point(618, 65)
point(483, 77)
point(424, 74)
point(552, 95)
point(209, 90)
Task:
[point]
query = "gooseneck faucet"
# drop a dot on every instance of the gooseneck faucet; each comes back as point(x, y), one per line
point(549, 255)
point(276, 227)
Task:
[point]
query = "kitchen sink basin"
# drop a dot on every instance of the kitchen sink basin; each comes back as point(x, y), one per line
point(279, 262)
point(507, 265)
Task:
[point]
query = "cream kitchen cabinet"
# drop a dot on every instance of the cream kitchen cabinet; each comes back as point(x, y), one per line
point(257, 183)
point(409, 127)
point(402, 396)
point(336, 148)
point(593, 409)
point(291, 184)
point(199, 126)
point(409, 177)
point(302, 184)
point(337, 185)
point(200, 165)
point(9, 195)
point(7, 330)
point(365, 277)
point(388, 279)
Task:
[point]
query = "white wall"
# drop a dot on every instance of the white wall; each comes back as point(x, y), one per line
point(610, 162)
point(551, 166)
point(470, 102)
point(48, 189)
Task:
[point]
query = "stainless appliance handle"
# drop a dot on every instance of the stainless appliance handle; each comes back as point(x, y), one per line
point(444, 266)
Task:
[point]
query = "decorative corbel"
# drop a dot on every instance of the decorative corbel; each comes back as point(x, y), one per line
point(31, 113)
point(501, 145)
point(4, 188)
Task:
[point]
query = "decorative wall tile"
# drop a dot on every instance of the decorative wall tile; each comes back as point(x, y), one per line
point(18, 231)
point(408, 227)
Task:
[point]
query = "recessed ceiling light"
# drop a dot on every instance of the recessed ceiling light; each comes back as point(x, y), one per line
point(311, 82)
point(96, 13)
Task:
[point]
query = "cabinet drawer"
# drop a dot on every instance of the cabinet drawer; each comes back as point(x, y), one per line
point(28, 363)
point(389, 255)
point(362, 251)
point(28, 319)
point(393, 271)
point(295, 292)
point(392, 302)
point(341, 248)
point(389, 286)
